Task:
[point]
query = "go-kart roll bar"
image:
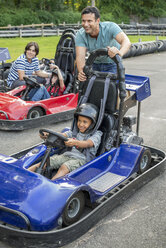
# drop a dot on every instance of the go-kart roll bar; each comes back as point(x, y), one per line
point(120, 76)
point(120, 69)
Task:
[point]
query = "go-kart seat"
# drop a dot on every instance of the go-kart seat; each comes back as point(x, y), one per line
point(65, 54)
point(108, 123)
point(65, 57)
point(108, 128)
point(97, 92)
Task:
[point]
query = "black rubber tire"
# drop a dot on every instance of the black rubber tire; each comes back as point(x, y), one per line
point(34, 113)
point(74, 209)
point(3, 89)
point(145, 161)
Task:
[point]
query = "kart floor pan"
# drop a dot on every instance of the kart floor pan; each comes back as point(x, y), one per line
point(57, 238)
point(106, 181)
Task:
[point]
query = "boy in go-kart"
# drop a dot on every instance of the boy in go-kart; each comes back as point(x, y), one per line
point(85, 142)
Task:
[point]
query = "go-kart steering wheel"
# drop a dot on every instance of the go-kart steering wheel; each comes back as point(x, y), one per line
point(54, 139)
point(31, 82)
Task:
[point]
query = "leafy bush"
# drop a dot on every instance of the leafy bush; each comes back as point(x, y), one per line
point(107, 17)
point(17, 17)
point(5, 19)
point(67, 17)
point(45, 16)
point(25, 17)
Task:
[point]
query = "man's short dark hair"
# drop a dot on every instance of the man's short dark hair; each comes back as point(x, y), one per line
point(91, 10)
point(32, 43)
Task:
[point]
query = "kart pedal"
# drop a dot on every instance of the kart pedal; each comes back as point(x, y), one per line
point(107, 181)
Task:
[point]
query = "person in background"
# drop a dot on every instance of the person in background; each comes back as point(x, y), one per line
point(27, 65)
point(95, 34)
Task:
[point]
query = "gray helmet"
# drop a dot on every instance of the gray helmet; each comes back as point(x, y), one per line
point(55, 72)
point(88, 110)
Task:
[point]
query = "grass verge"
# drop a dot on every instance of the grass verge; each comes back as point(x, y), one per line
point(48, 45)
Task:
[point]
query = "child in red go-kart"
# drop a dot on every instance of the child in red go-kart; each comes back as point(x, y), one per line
point(56, 85)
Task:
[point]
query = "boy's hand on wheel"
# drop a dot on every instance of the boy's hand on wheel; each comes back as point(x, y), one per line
point(45, 136)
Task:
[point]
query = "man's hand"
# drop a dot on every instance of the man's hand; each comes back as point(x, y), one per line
point(112, 51)
point(81, 76)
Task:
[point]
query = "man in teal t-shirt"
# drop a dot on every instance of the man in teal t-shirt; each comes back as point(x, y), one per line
point(94, 35)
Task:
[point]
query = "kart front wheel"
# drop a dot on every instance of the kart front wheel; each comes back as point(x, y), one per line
point(145, 161)
point(3, 89)
point(35, 113)
point(74, 209)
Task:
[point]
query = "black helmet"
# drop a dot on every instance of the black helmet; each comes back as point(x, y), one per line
point(88, 110)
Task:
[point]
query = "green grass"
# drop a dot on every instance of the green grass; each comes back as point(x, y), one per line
point(143, 38)
point(48, 45)
point(16, 46)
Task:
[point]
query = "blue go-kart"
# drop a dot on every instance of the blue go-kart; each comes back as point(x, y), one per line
point(37, 211)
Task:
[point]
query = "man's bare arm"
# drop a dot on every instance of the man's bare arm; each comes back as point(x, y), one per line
point(125, 43)
point(80, 61)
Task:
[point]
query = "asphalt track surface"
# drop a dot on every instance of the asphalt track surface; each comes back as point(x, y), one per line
point(141, 220)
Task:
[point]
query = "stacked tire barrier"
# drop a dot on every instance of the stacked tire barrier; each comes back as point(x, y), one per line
point(142, 48)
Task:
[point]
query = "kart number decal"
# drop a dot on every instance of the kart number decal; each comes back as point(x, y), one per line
point(7, 159)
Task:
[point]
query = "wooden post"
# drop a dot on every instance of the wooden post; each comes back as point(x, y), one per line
point(20, 33)
point(42, 32)
point(42, 29)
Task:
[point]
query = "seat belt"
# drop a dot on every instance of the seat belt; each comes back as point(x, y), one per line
point(86, 152)
point(84, 98)
point(102, 105)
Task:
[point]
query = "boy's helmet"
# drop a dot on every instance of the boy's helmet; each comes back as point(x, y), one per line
point(88, 110)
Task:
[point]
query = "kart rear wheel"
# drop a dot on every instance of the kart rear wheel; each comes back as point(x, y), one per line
point(145, 161)
point(74, 209)
point(35, 113)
